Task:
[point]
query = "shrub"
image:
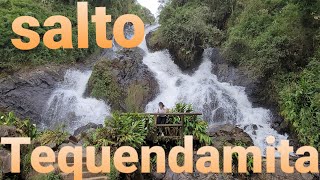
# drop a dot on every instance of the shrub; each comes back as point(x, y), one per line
point(24, 127)
point(193, 125)
point(187, 27)
point(123, 130)
point(300, 102)
point(57, 136)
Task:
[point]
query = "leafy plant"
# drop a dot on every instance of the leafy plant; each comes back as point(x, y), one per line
point(192, 125)
point(57, 136)
point(123, 130)
point(299, 102)
point(24, 127)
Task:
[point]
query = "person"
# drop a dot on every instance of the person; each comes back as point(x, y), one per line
point(162, 110)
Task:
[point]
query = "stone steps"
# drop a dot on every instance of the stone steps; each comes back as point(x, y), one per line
point(86, 175)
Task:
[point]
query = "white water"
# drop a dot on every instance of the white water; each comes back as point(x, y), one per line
point(219, 102)
point(68, 106)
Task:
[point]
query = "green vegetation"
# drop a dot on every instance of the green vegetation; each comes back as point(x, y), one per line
point(122, 130)
point(56, 137)
point(276, 41)
point(117, 8)
point(104, 85)
point(235, 159)
point(187, 27)
point(134, 100)
point(139, 130)
point(134, 129)
point(24, 127)
point(117, 81)
point(300, 103)
point(193, 125)
point(50, 176)
point(12, 57)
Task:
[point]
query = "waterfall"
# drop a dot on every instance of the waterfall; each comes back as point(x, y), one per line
point(220, 102)
point(68, 106)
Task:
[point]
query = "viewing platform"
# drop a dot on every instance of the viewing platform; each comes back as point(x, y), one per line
point(169, 130)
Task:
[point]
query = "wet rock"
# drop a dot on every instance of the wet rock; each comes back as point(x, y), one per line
point(229, 135)
point(52, 145)
point(124, 82)
point(234, 75)
point(8, 131)
point(5, 161)
point(85, 128)
point(25, 93)
point(188, 62)
point(73, 139)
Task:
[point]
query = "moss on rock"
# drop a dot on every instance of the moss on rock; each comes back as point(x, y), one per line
point(124, 82)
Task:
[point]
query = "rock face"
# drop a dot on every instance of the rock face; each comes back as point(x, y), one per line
point(124, 81)
point(25, 93)
point(235, 76)
point(229, 135)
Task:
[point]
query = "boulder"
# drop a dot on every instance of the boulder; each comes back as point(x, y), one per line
point(153, 42)
point(229, 135)
point(85, 128)
point(188, 61)
point(124, 81)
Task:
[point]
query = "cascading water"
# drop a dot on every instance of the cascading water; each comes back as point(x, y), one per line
point(219, 102)
point(68, 106)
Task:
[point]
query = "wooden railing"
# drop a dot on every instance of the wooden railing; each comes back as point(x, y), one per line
point(176, 126)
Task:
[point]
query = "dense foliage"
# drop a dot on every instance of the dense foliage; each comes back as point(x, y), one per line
point(122, 130)
point(300, 104)
point(276, 41)
point(12, 57)
point(103, 85)
point(187, 27)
